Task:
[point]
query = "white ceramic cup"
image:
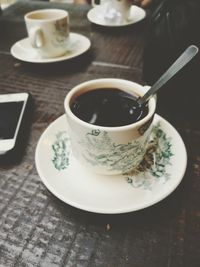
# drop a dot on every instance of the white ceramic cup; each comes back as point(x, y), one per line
point(108, 150)
point(48, 31)
point(116, 11)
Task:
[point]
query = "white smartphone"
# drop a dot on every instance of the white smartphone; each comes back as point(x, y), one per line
point(12, 111)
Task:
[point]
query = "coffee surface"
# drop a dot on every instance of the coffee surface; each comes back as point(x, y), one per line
point(109, 107)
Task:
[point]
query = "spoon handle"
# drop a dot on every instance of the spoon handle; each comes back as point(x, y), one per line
point(184, 58)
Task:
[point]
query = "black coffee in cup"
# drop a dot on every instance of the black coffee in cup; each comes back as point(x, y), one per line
point(110, 107)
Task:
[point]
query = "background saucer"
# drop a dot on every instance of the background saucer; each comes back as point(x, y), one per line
point(22, 50)
point(95, 16)
point(78, 187)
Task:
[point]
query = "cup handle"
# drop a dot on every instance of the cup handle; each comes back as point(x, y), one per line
point(36, 37)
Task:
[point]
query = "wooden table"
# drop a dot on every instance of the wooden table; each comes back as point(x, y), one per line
point(36, 228)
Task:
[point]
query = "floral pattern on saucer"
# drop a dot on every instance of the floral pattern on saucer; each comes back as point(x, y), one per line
point(153, 167)
point(61, 149)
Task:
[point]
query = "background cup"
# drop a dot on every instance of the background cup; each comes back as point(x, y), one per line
point(115, 11)
point(108, 150)
point(48, 31)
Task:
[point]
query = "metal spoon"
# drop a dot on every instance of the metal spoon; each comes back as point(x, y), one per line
point(184, 58)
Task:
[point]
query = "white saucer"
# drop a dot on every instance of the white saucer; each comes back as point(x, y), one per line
point(75, 185)
point(95, 15)
point(22, 50)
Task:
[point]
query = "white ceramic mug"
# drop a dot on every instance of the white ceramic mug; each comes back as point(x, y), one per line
point(108, 150)
point(115, 11)
point(48, 31)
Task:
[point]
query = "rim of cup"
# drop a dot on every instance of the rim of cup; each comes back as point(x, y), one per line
point(59, 14)
point(122, 84)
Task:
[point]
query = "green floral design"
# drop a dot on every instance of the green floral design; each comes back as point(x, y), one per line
point(155, 162)
point(101, 151)
point(151, 170)
point(61, 151)
point(61, 33)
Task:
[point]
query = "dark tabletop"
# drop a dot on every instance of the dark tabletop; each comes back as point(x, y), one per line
point(36, 228)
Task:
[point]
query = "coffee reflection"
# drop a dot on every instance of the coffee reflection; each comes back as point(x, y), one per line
point(109, 107)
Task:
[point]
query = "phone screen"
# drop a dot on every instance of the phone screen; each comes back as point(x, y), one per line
point(9, 116)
